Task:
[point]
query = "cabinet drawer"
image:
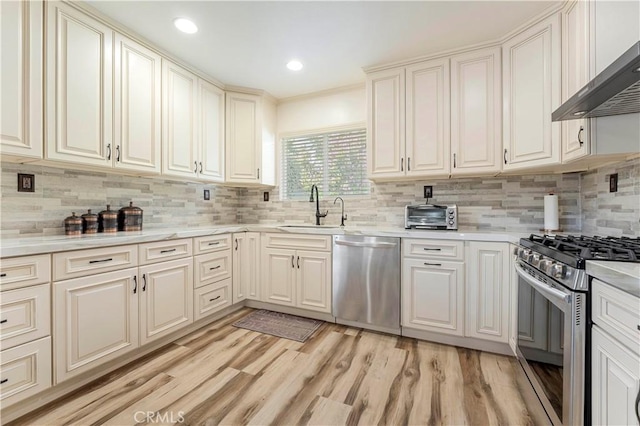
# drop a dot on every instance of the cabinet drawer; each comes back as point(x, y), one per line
point(433, 249)
point(25, 315)
point(25, 371)
point(212, 298)
point(210, 268)
point(211, 243)
point(164, 250)
point(79, 263)
point(296, 241)
point(17, 272)
point(616, 312)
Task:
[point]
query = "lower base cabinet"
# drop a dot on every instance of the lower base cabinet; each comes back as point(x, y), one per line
point(25, 370)
point(246, 266)
point(616, 381)
point(211, 298)
point(433, 296)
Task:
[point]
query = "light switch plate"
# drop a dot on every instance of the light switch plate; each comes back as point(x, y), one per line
point(207, 195)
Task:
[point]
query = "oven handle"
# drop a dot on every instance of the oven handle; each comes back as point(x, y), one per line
point(543, 288)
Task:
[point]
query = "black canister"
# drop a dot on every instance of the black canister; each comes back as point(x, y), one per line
point(108, 220)
point(89, 222)
point(73, 225)
point(130, 218)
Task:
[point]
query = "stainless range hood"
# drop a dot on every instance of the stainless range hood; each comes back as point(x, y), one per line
point(615, 91)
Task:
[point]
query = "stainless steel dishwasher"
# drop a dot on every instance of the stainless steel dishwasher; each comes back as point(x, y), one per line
point(366, 282)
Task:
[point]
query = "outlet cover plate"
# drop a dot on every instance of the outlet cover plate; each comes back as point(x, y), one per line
point(428, 191)
point(613, 182)
point(207, 195)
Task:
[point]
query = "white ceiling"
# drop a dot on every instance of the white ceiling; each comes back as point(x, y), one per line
point(248, 44)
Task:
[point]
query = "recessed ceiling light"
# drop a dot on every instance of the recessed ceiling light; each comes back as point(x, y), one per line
point(294, 65)
point(185, 25)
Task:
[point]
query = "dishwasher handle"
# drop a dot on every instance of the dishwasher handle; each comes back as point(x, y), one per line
point(367, 245)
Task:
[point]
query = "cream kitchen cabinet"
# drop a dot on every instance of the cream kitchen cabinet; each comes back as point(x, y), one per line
point(213, 268)
point(250, 139)
point(433, 286)
point(409, 121)
point(137, 91)
point(531, 88)
point(615, 365)
point(297, 276)
point(21, 79)
point(25, 370)
point(576, 67)
point(25, 315)
point(476, 112)
point(193, 125)
point(106, 303)
point(246, 266)
point(487, 291)
point(166, 298)
point(79, 85)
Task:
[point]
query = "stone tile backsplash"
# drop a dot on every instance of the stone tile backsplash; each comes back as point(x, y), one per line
point(58, 192)
point(507, 203)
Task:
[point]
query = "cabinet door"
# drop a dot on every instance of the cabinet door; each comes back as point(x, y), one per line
point(428, 143)
point(278, 276)
point(79, 87)
point(385, 123)
point(166, 298)
point(531, 89)
point(136, 107)
point(433, 296)
point(179, 139)
point(25, 371)
point(487, 291)
point(476, 112)
point(240, 265)
point(25, 315)
point(21, 78)
point(95, 319)
point(211, 133)
point(575, 74)
point(616, 381)
point(251, 257)
point(244, 127)
point(313, 280)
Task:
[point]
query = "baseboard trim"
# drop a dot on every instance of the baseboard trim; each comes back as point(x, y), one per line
point(465, 342)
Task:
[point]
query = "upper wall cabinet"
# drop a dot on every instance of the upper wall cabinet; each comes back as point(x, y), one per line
point(476, 112)
point(21, 79)
point(250, 143)
point(408, 120)
point(210, 132)
point(531, 89)
point(576, 65)
point(137, 93)
point(79, 87)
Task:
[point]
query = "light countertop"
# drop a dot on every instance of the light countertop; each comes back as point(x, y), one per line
point(56, 243)
point(621, 275)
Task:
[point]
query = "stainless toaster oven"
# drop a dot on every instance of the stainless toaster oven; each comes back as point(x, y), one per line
point(431, 216)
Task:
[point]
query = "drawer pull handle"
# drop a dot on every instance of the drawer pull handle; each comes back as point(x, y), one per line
point(215, 267)
point(215, 298)
point(167, 251)
point(431, 249)
point(3, 321)
point(144, 282)
point(135, 284)
point(101, 260)
point(3, 275)
point(215, 243)
point(3, 381)
point(432, 264)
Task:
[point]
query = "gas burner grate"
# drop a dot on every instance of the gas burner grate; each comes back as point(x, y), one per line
point(623, 249)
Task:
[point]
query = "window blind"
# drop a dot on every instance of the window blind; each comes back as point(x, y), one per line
point(335, 161)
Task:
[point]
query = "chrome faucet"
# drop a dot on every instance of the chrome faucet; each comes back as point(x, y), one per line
point(318, 214)
point(343, 216)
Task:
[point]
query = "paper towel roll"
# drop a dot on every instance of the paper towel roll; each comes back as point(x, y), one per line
point(551, 221)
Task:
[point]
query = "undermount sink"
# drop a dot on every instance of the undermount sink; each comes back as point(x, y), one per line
point(311, 226)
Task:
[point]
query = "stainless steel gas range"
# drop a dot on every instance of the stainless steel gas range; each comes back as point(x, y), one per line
point(554, 320)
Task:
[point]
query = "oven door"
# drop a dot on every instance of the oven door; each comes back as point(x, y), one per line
point(551, 343)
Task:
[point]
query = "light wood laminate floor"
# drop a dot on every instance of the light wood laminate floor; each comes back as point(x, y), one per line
point(341, 375)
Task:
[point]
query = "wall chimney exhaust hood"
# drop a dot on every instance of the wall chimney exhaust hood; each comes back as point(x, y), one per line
point(615, 91)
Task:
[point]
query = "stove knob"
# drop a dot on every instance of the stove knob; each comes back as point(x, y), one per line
point(526, 254)
point(535, 258)
point(545, 264)
point(556, 270)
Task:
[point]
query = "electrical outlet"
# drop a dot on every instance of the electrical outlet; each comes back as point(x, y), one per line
point(428, 191)
point(613, 182)
point(207, 195)
point(265, 196)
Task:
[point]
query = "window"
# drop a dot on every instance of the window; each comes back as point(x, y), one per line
point(335, 161)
